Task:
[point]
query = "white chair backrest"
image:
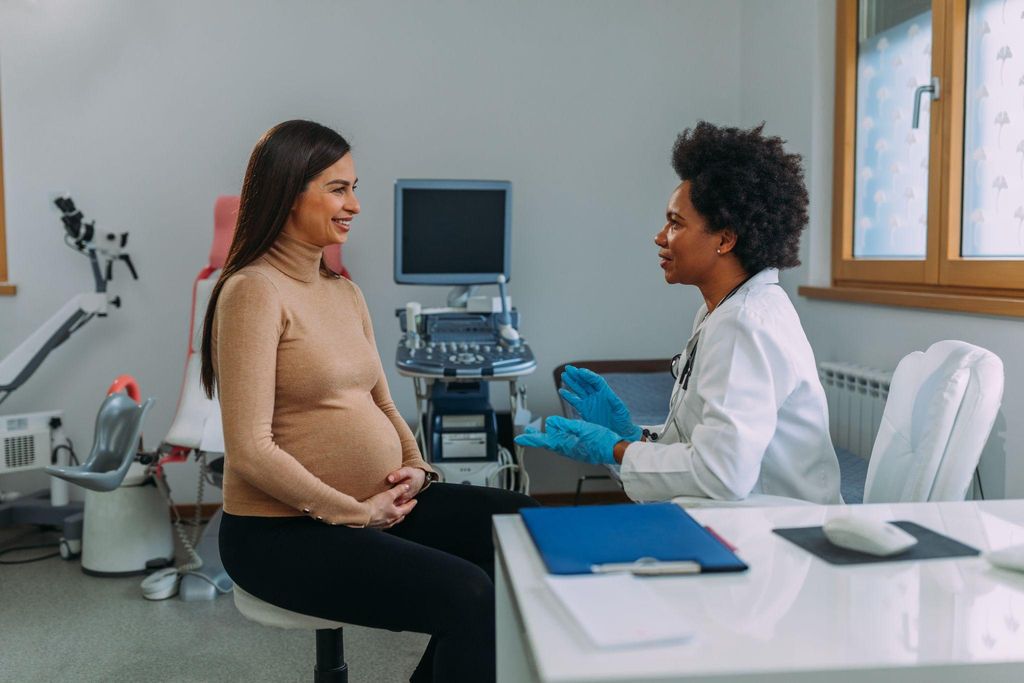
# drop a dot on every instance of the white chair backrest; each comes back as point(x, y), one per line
point(941, 407)
point(197, 421)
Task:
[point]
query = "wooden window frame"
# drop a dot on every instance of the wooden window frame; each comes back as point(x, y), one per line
point(943, 279)
point(6, 288)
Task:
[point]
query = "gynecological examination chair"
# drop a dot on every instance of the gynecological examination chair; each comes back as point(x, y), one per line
point(196, 428)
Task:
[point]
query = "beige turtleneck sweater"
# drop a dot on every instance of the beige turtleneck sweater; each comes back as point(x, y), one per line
point(309, 424)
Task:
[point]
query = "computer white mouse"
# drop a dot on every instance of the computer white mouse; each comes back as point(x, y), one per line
point(869, 536)
point(1007, 558)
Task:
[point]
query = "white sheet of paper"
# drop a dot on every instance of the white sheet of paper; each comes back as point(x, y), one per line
point(618, 610)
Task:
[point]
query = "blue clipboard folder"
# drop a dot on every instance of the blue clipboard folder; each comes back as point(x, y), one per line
point(583, 540)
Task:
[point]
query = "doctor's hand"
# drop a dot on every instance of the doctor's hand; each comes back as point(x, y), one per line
point(579, 440)
point(595, 401)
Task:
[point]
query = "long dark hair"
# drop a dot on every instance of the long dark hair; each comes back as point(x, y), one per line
point(284, 160)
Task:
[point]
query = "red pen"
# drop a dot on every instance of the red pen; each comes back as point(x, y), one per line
point(721, 540)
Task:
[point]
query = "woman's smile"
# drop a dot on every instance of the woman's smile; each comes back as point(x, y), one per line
point(343, 224)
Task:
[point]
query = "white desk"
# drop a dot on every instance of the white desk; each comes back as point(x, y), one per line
point(791, 617)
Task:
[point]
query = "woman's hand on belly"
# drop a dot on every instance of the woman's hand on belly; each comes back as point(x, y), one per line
point(385, 508)
point(413, 476)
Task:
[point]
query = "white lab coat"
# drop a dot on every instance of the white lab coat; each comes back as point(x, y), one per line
point(754, 418)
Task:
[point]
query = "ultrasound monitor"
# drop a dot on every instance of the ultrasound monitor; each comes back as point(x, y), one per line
point(452, 232)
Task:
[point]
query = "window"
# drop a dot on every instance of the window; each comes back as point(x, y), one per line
point(928, 188)
point(5, 287)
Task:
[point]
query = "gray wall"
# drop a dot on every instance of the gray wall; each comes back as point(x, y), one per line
point(147, 111)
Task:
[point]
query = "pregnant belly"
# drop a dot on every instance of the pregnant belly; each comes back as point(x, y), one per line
point(352, 450)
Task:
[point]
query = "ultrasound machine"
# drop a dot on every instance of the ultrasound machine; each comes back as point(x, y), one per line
point(457, 233)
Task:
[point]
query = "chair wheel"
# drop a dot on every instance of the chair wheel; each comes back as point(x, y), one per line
point(69, 550)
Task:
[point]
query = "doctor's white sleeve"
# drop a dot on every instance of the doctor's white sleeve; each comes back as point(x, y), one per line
point(744, 377)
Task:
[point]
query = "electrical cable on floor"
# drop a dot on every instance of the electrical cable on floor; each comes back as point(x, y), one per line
point(31, 546)
point(189, 543)
point(207, 579)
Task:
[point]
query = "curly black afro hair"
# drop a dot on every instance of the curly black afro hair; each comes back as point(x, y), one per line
point(744, 180)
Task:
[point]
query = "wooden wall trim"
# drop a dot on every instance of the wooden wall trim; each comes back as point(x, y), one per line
point(6, 288)
point(984, 304)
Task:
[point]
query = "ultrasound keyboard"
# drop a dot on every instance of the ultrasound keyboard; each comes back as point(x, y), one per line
point(461, 345)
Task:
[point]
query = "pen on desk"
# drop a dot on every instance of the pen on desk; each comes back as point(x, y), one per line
point(721, 540)
point(647, 568)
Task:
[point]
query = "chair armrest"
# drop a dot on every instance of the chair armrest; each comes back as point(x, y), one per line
point(614, 471)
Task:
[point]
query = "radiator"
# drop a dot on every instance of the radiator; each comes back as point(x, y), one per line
point(856, 397)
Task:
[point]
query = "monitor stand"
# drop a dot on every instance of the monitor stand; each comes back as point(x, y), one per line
point(460, 295)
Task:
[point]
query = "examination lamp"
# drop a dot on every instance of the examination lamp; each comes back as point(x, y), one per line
point(84, 237)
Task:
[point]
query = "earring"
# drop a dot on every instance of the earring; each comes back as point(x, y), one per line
point(718, 251)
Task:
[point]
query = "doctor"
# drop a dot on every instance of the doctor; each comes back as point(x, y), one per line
point(747, 412)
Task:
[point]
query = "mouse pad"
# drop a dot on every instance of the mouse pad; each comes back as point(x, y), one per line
point(930, 545)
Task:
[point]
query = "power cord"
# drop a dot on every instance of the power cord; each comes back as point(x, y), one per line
point(67, 446)
point(34, 546)
point(513, 474)
point(163, 584)
point(30, 546)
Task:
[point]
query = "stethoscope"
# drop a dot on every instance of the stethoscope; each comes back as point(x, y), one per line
point(691, 355)
point(683, 376)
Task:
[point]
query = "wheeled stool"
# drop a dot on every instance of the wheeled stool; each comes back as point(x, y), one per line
point(330, 646)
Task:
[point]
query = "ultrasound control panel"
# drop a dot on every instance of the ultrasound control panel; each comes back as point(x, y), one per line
point(459, 344)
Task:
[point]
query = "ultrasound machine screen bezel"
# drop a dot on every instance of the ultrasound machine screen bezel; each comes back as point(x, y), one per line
point(402, 277)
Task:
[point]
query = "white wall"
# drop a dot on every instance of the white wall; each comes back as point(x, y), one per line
point(790, 83)
point(146, 111)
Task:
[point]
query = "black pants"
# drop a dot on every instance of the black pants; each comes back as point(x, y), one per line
point(432, 573)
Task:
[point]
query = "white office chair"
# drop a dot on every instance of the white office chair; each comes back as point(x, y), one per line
point(941, 407)
point(330, 648)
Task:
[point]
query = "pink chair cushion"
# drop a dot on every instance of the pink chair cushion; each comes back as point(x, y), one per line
point(332, 255)
point(225, 215)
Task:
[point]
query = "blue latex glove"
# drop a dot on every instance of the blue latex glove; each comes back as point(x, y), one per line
point(595, 401)
point(576, 439)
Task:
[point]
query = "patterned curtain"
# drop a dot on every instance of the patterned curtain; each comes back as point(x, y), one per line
point(891, 186)
point(993, 202)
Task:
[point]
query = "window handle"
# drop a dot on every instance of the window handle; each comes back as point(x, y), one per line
point(933, 88)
